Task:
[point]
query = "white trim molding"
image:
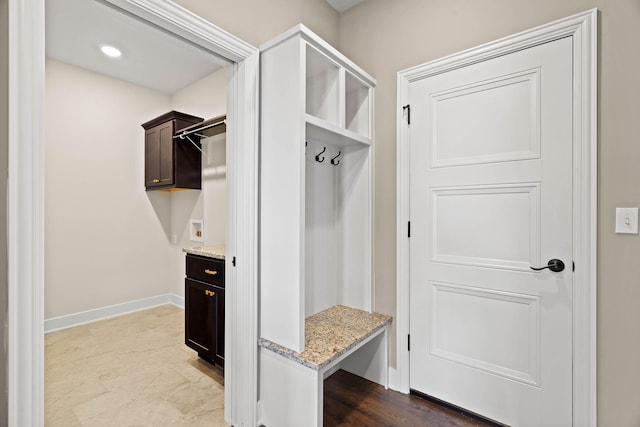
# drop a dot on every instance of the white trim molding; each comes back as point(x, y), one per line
point(177, 20)
point(89, 316)
point(582, 28)
point(25, 194)
point(241, 368)
point(26, 202)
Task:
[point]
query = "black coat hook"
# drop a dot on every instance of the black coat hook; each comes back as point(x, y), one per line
point(318, 159)
point(334, 161)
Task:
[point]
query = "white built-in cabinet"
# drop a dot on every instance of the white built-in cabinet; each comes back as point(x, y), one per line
point(316, 216)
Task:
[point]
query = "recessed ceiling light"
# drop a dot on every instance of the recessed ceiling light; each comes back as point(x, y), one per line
point(111, 51)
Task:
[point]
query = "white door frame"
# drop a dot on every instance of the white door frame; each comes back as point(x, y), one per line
point(26, 202)
point(583, 30)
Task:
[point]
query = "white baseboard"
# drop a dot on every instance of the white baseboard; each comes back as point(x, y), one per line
point(89, 316)
point(176, 300)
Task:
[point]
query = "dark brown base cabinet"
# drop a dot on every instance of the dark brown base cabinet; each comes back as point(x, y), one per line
point(204, 307)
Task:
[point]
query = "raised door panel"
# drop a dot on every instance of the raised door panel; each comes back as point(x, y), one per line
point(490, 226)
point(218, 350)
point(166, 160)
point(152, 157)
point(507, 129)
point(493, 331)
point(200, 316)
point(159, 155)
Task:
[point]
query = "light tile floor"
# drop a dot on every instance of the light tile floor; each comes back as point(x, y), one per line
point(132, 370)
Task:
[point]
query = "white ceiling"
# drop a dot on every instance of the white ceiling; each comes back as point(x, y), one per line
point(342, 5)
point(152, 58)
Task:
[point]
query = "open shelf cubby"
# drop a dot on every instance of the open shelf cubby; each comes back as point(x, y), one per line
point(357, 106)
point(322, 87)
point(337, 257)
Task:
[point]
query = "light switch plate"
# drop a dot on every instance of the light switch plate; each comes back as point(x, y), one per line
point(627, 220)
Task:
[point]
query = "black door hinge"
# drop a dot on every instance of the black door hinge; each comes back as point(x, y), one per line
point(573, 263)
point(409, 229)
point(409, 342)
point(407, 108)
point(233, 261)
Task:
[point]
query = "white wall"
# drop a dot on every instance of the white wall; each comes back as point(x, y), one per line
point(384, 38)
point(205, 98)
point(109, 241)
point(106, 239)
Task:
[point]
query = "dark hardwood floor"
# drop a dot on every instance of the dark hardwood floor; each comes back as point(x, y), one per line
point(353, 401)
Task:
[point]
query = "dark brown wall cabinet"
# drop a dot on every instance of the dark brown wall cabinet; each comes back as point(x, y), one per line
point(204, 307)
point(171, 163)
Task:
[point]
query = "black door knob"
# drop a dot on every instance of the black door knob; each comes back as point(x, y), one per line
point(554, 265)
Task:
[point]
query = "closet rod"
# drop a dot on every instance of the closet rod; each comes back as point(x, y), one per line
point(190, 131)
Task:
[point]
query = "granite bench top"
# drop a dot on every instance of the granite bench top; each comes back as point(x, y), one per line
point(214, 251)
point(331, 333)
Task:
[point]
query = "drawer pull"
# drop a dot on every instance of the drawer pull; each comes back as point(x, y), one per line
point(211, 272)
point(210, 293)
point(155, 181)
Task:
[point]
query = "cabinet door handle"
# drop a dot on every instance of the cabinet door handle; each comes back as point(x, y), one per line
point(210, 293)
point(155, 181)
point(211, 272)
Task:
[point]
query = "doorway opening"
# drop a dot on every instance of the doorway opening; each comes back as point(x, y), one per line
point(95, 198)
point(27, 191)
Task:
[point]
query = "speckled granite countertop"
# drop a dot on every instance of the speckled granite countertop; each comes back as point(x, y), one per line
point(331, 333)
point(214, 251)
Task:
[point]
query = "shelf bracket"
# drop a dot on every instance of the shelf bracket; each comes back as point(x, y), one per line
point(195, 145)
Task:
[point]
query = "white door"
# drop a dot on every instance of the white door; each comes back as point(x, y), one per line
point(491, 196)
